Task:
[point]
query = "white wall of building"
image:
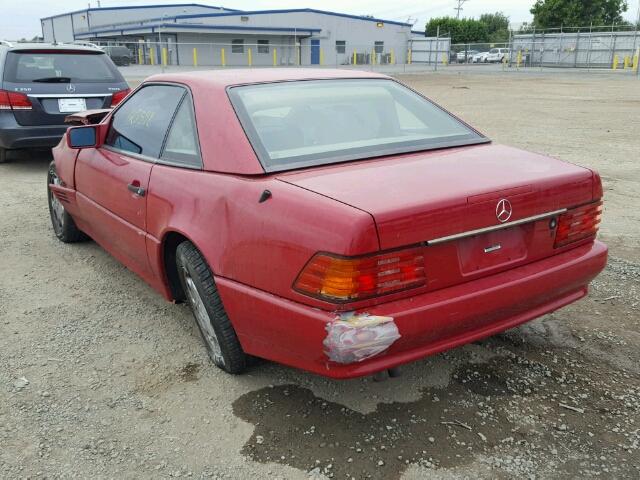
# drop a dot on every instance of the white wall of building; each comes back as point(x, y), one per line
point(360, 35)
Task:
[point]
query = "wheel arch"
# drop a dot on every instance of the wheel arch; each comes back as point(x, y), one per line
point(170, 241)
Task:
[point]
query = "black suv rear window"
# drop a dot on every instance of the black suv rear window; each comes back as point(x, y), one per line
point(60, 67)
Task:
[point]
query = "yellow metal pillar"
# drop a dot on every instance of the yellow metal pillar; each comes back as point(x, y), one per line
point(445, 59)
point(636, 60)
point(164, 56)
point(616, 62)
point(355, 59)
point(140, 56)
point(223, 60)
point(409, 57)
point(249, 57)
point(373, 56)
point(321, 57)
point(519, 59)
point(152, 56)
point(627, 62)
point(298, 56)
point(393, 57)
point(195, 57)
point(275, 58)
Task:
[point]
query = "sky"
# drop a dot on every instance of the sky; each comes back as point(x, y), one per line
point(22, 18)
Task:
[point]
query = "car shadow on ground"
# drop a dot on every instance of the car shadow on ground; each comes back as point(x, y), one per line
point(525, 411)
point(28, 160)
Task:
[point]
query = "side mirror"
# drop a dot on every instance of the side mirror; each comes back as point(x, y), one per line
point(82, 137)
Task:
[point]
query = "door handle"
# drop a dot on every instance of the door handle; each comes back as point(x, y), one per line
point(136, 189)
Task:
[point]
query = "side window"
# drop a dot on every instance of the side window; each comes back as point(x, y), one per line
point(341, 46)
point(182, 141)
point(141, 124)
point(263, 46)
point(237, 46)
point(379, 47)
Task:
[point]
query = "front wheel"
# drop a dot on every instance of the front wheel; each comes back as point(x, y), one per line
point(201, 293)
point(63, 225)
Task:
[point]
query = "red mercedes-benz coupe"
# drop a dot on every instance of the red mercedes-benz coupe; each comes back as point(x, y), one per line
point(335, 221)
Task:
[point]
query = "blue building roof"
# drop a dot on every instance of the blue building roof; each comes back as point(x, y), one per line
point(231, 12)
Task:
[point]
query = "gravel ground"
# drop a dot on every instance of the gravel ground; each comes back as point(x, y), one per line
point(100, 378)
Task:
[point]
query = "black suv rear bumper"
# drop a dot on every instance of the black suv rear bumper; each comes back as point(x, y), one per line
point(13, 135)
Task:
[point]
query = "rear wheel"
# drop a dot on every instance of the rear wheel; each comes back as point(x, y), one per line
point(63, 225)
point(201, 293)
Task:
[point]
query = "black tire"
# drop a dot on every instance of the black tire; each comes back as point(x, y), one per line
point(200, 291)
point(63, 225)
point(3, 155)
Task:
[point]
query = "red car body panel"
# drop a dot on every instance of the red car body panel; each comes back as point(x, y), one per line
point(256, 250)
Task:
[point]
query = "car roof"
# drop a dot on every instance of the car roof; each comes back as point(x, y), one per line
point(13, 47)
point(226, 78)
point(224, 144)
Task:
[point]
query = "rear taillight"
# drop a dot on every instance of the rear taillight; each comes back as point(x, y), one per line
point(578, 223)
point(14, 101)
point(117, 97)
point(339, 279)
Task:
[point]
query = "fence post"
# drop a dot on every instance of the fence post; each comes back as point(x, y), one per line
point(223, 60)
point(613, 43)
point(577, 49)
point(590, 47)
point(195, 57)
point(152, 56)
point(249, 57)
point(275, 58)
point(435, 65)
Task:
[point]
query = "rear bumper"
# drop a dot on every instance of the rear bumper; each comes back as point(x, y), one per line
point(291, 333)
point(13, 135)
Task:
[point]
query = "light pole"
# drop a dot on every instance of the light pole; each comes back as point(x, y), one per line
point(459, 7)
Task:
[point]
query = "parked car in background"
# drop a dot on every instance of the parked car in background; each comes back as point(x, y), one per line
point(40, 84)
point(465, 56)
point(480, 57)
point(331, 220)
point(497, 55)
point(120, 55)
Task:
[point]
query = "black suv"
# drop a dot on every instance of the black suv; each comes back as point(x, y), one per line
point(40, 84)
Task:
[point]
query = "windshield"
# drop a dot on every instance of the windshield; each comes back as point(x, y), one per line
point(60, 67)
point(316, 122)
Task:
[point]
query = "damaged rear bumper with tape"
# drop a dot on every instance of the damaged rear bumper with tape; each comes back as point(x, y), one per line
point(397, 332)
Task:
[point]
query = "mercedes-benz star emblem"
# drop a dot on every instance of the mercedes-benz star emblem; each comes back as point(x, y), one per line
point(71, 88)
point(503, 210)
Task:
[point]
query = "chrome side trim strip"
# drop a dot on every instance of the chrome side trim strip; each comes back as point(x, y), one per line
point(68, 95)
point(493, 228)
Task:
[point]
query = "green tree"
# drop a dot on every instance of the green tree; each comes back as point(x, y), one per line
point(460, 30)
point(497, 27)
point(577, 13)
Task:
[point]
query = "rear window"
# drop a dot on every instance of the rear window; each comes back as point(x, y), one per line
point(54, 67)
point(316, 122)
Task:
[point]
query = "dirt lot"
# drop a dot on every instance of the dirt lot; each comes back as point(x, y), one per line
point(100, 378)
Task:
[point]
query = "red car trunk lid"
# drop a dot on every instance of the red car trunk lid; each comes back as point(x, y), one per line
point(428, 197)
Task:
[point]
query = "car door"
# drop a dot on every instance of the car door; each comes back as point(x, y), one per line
point(112, 181)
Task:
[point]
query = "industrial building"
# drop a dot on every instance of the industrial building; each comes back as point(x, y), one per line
point(188, 34)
